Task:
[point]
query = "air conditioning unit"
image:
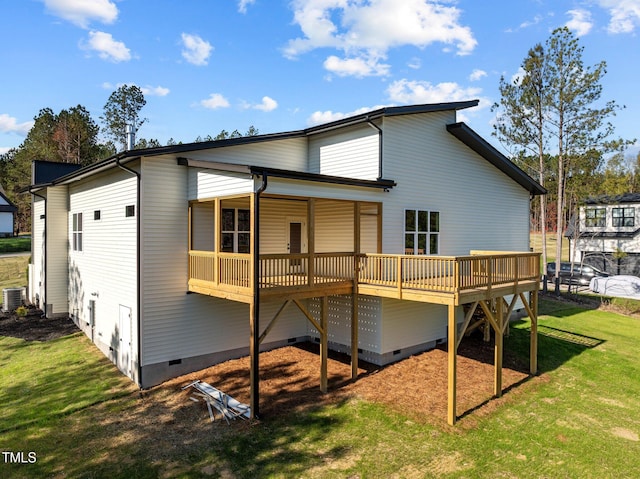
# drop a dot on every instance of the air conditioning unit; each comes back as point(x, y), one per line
point(11, 299)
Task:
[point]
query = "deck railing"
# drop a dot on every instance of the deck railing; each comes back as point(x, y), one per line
point(446, 274)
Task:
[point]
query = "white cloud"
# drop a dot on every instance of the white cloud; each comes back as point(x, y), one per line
point(625, 15)
point(196, 50)
point(4, 149)
point(357, 67)
point(242, 5)
point(415, 63)
point(320, 117)
point(9, 124)
point(418, 92)
point(146, 90)
point(82, 12)
point(268, 104)
point(580, 22)
point(215, 101)
point(154, 90)
point(365, 31)
point(107, 47)
point(477, 74)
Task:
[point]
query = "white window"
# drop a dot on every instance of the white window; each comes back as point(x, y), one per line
point(421, 232)
point(77, 232)
point(236, 230)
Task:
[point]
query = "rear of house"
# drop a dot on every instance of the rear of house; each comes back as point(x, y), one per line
point(162, 255)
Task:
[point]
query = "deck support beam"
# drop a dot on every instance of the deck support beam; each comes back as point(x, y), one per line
point(354, 296)
point(499, 347)
point(452, 351)
point(322, 329)
point(324, 343)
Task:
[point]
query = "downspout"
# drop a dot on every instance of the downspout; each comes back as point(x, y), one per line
point(46, 248)
point(255, 364)
point(376, 127)
point(138, 176)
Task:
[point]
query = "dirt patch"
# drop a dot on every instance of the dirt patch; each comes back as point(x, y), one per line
point(34, 326)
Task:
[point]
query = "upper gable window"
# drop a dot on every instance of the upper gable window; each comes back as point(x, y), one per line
point(596, 217)
point(623, 217)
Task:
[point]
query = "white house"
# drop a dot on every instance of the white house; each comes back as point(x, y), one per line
point(357, 234)
point(7, 215)
point(608, 234)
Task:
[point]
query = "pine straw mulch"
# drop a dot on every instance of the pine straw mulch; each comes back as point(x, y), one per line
point(416, 386)
point(290, 376)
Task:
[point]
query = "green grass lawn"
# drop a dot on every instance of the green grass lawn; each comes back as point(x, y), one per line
point(580, 418)
point(15, 245)
point(13, 272)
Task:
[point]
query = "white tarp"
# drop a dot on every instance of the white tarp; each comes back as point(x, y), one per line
point(619, 286)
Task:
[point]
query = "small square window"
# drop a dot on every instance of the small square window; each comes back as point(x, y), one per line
point(96, 215)
point(130, 211)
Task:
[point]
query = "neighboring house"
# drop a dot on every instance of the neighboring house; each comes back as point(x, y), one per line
point(175, 258)
point(7, 215)
point(608, 234)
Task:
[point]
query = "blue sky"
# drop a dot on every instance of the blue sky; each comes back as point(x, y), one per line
point(281, 65)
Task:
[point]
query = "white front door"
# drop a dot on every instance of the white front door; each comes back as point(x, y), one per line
point(124, 343)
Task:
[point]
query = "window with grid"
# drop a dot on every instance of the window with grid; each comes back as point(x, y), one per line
point(421, 232)
point(77, 232)
point(596, 217)
point(236, 230)
point(623, 217)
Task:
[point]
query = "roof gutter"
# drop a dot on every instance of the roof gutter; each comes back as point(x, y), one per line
point(138, 176)
point(376, 127)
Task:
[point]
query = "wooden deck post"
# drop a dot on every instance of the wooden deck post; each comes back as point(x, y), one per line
point(498, 352)
point(354, 297)
point(452, 369)
point(217, 239)
point(324, 348)
point(533, 355)
point(311, 241)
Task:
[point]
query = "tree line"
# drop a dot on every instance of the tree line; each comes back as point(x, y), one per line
point(73, 136)
point(552, 118)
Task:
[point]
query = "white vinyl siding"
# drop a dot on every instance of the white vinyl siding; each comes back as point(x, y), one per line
point(57, 250)
point(38, 249)
point(480, 207)
point(203, 226)
point(177, 325)
point(285, 154)
point(205, 184)
point(409, 323)
point(352, 152)
point(105, 271)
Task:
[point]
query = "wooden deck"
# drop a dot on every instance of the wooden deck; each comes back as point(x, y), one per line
point(450, 280)
point(481, 279)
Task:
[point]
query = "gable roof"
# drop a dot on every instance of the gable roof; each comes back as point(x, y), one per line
point(6, 206)
point(614, 199)
point(459, 130)
point(478, 144)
